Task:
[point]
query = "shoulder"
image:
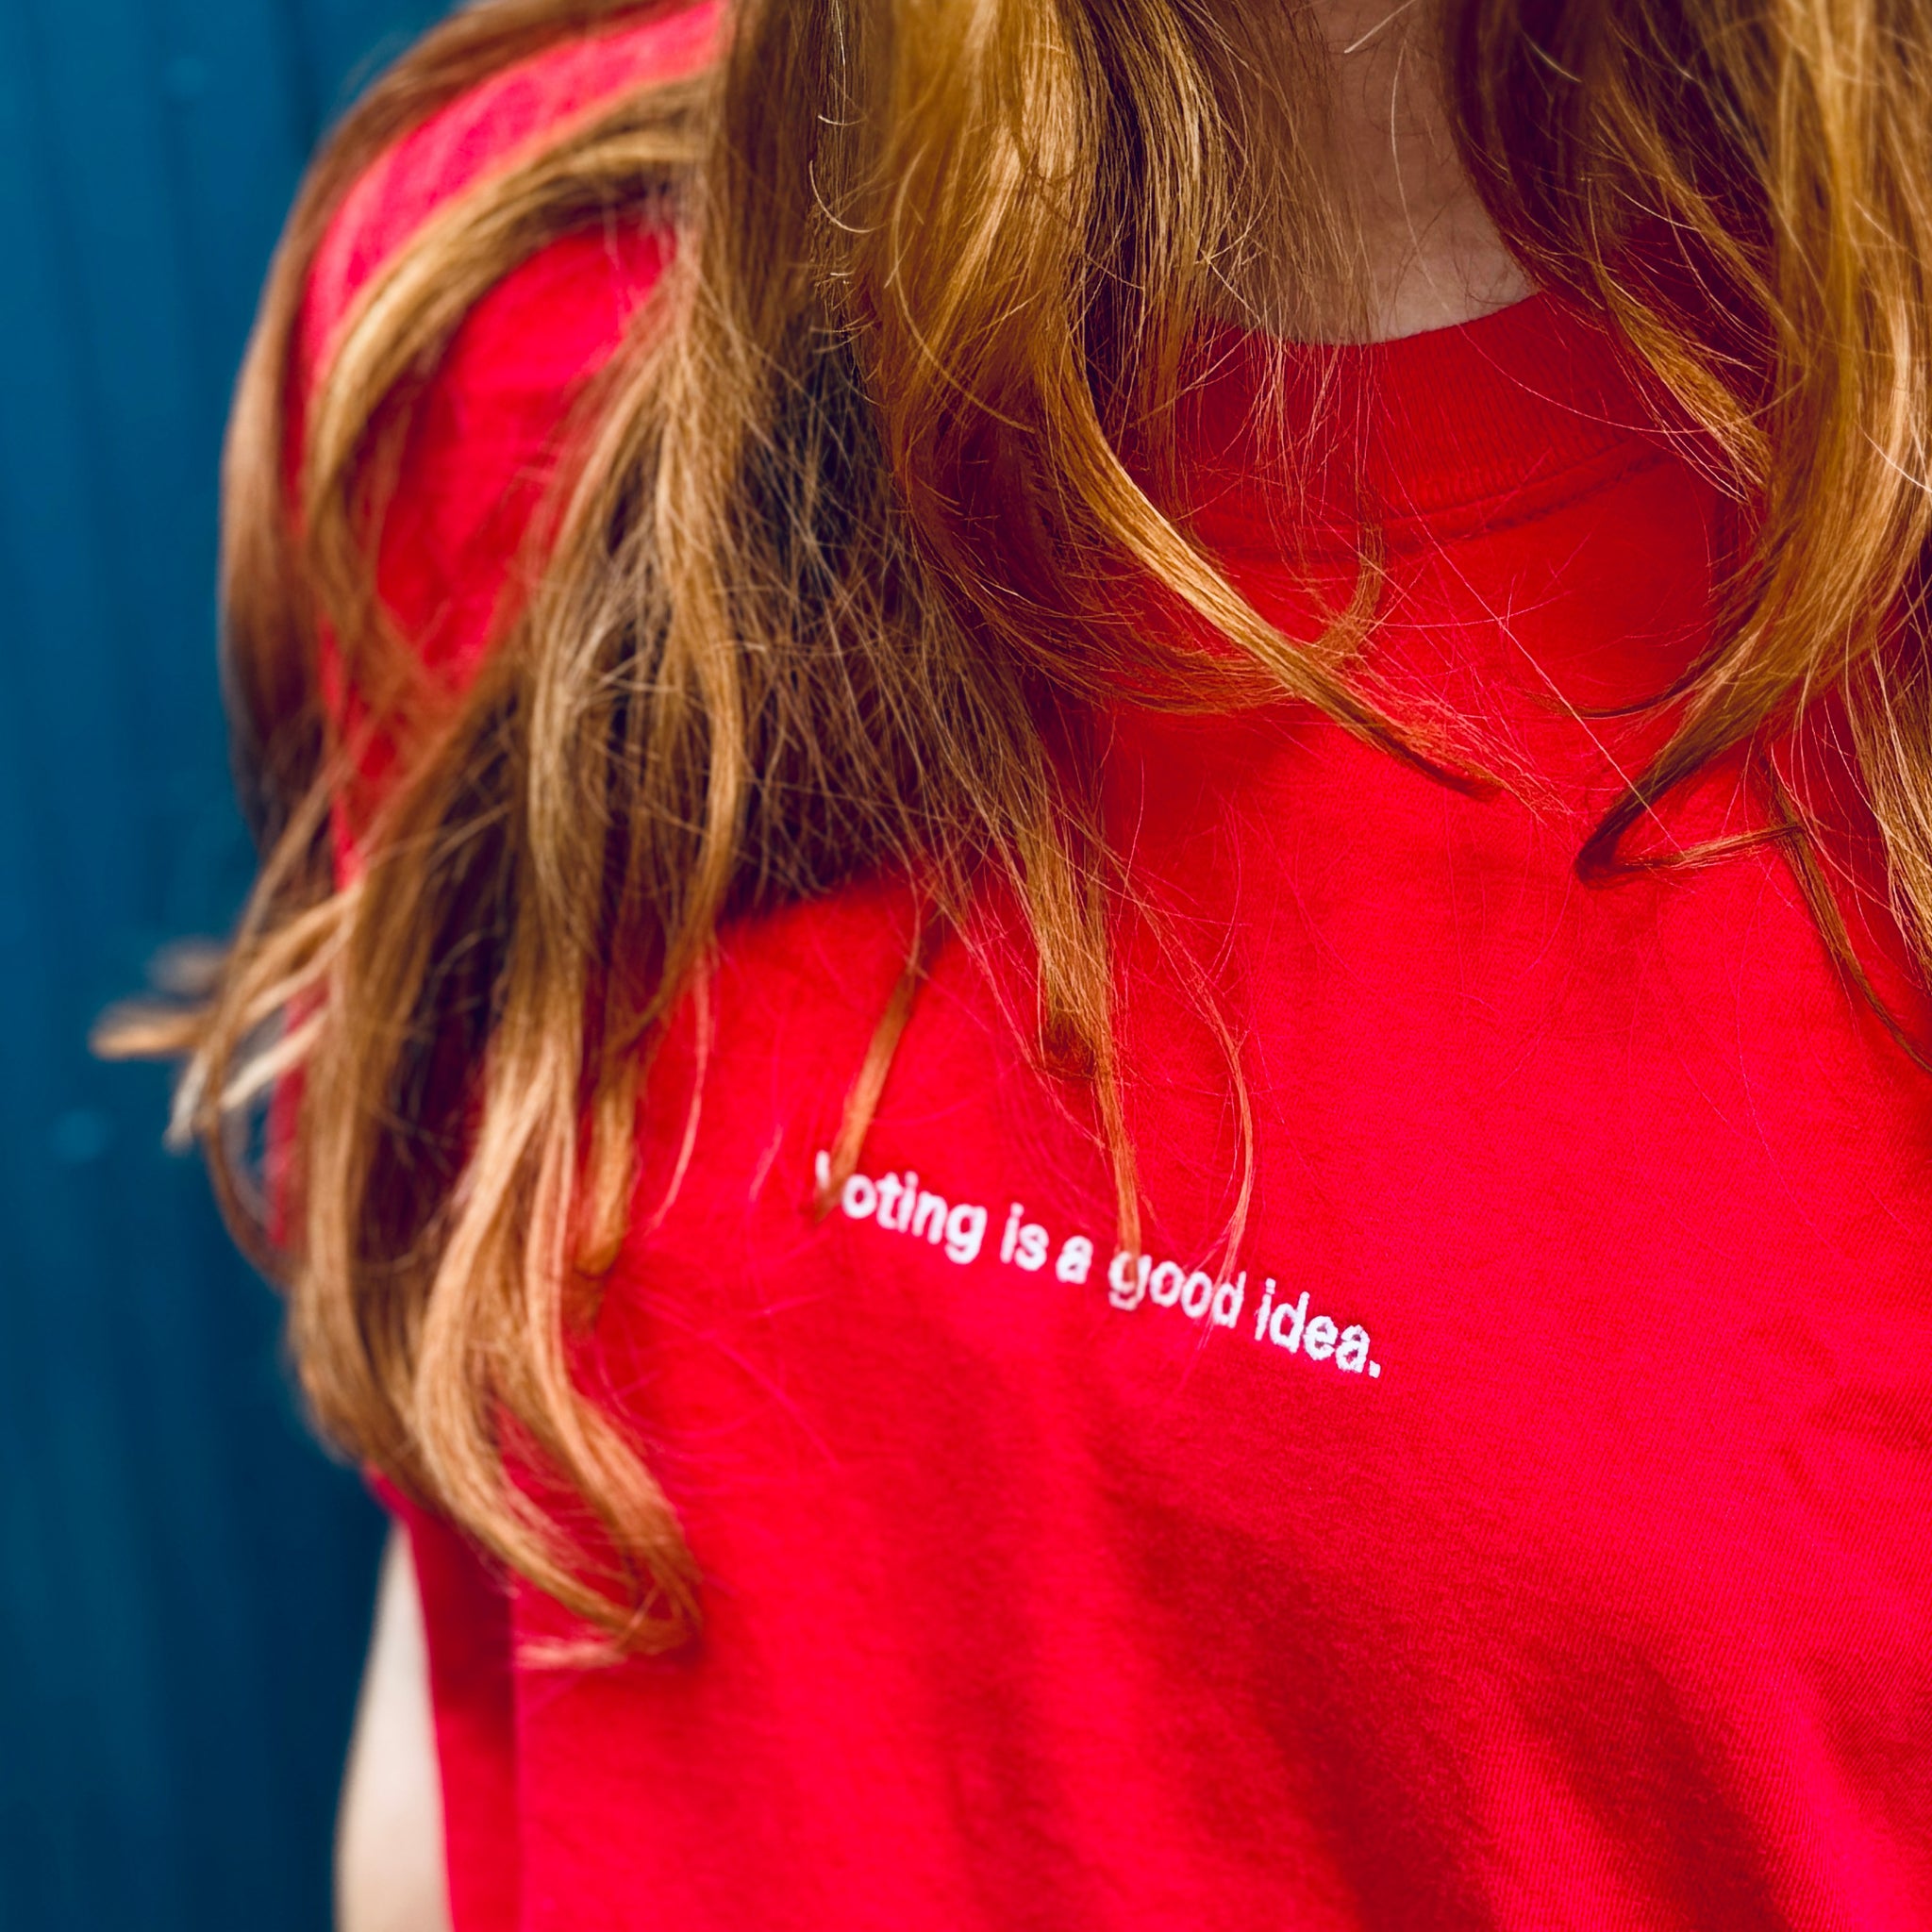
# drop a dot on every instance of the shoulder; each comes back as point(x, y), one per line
point(486, 431)
point(484, 129)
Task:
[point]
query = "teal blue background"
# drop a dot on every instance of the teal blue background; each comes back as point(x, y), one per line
point(186, 1578)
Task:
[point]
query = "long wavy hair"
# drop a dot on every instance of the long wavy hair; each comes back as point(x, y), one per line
point(843, 559)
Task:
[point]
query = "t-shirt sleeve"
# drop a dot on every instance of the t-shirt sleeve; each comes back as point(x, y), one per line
point(485, 441)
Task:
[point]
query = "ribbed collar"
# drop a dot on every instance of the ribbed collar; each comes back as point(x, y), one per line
point(1422, 438)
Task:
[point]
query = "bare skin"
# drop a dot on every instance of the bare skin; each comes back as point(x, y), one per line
point(1430, 259)
point(1431, 256)
point(389, 1828)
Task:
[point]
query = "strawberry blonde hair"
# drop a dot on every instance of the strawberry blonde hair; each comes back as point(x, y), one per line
point(840, 568)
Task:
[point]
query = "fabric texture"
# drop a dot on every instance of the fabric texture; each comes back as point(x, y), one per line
point(1529, 1528)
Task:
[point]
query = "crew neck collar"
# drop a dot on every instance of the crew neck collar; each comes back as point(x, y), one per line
point(1422, 438)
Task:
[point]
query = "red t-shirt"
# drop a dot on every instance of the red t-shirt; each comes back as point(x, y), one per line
point(1532, 1528)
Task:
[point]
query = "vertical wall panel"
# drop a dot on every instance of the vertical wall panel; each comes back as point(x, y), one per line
point(186, 1577)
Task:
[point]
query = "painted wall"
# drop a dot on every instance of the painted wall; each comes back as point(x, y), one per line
point(186, 1579)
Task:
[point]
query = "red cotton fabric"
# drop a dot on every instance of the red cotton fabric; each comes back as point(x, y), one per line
point(1531, 1528)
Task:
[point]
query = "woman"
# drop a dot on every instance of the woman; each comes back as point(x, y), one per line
point(1095, 991)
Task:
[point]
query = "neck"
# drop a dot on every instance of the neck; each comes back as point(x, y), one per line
point(1420, 251)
